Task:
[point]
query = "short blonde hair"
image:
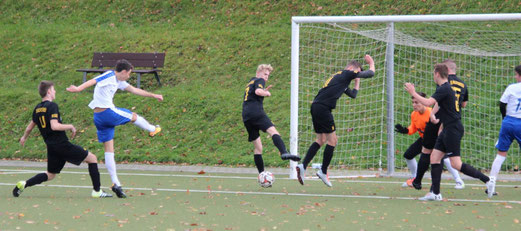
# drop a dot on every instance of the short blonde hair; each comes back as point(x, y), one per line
point(263, 67)
point(451, 65)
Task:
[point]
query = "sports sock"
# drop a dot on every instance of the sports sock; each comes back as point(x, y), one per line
point(328, 155)
point(94, 176)
point(144, 124)
point(259, 162)
point(468, 170)
point(412, 165)
point(277, 141)
point(454, 172)
point(496, 165)
point(312, 151)
point(37, 179)
point(110, 164)
point(423, 166)
point(436, 170)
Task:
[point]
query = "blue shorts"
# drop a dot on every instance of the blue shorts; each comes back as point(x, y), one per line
point(510, 130)
point(107, 120)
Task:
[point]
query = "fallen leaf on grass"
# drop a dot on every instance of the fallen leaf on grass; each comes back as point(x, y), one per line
point(516, 221)
point(201, 172)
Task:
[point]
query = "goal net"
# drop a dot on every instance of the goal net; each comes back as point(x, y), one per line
point(485, 51)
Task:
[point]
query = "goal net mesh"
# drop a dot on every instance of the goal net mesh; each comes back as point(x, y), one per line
point(485, 53)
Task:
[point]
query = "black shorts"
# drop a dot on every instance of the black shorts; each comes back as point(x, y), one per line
point(254, 125)
point(430, 135)
point(58, 154)
point(322, 118)
point(414, 149)
point(449, 140)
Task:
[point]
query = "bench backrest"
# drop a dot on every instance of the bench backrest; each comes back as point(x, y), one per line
point(154, 60)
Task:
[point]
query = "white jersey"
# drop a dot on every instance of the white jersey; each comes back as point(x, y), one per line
point(512, 97)
point(106, 87)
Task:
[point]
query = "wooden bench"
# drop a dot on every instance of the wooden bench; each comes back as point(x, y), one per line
point(107, 61)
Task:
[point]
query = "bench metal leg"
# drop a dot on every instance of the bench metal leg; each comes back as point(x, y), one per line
point(157, 78)
point(84, 77)
point(138, 80)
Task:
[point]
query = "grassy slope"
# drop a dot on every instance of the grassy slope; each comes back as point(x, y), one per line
point(212, 49)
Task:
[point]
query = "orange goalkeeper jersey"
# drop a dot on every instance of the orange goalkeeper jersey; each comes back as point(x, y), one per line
point(418, 121)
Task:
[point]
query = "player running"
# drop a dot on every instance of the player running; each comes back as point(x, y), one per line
point(46, 116)
point(510, 107)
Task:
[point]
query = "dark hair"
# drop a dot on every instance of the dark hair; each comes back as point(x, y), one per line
point(123, 64)
point(518, 69)
point(44, 87)
point(421, 94)
point(354, 63)
point(442, 70)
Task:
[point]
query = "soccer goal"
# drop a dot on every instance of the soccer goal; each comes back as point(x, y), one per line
point(485, 47)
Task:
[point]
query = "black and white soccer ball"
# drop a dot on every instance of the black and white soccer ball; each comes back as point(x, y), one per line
point(266, 179)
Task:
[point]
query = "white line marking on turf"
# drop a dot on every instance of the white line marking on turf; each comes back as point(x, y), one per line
point(16, 171)
point(276, 193)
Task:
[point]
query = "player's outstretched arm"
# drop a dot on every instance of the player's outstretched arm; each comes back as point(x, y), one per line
point(28, 130)
point(409, 87)
point(57, 126)
point(82, 87)
point(141, 92)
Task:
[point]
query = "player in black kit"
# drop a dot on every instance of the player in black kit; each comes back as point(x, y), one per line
point(322, 118)
point(59, 150)
point(449, 140)
point(255, 118)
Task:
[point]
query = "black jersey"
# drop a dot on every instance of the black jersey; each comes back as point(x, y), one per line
point(448, 104)
point(460, 90)
point(336, 85)
point(43, 113)
point(252, 103)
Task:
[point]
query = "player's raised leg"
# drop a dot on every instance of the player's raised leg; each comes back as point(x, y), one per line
point(279, 143)
point(145, 125)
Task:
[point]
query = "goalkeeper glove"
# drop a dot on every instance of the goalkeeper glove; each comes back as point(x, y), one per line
point(399, 128)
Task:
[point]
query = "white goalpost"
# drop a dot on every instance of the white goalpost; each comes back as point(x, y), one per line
point(486, 48)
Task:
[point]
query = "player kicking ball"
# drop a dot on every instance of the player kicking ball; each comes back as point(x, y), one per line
point(107, 116)
point(322, 117)
point(59, 150)
point(449, 140)
point(255, 118)
point(510, 127)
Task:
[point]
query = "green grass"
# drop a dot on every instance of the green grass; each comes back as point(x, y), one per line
point(179, 201)
point(213, 48)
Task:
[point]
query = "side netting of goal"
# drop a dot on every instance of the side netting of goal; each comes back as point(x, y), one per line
point(485, 52)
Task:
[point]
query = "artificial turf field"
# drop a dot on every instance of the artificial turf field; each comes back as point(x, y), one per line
point(191, 201)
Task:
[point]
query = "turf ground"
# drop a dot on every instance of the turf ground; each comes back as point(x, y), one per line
point(191, 201)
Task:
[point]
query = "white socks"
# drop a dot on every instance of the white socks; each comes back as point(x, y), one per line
point(110, 164)
point(496, 165)
point(413, 166)
point(454, 172)
point(142, 123)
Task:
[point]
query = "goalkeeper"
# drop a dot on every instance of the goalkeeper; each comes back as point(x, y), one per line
point(322, 118)
point(419, 122)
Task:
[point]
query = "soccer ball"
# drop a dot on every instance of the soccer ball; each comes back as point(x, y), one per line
point(266, 179)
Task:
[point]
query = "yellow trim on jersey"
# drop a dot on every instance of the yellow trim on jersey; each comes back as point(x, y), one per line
point(41, 109)
point(54, 116)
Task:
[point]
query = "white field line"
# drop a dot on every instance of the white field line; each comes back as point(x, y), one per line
point(275, 193)
point(15, 171)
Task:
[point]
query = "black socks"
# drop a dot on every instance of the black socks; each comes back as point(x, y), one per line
point(312, 151)
point(471, 171)
point(37, 179)
point(259, 162)
point(94, 176)
point(328, 155)
point(277, 141)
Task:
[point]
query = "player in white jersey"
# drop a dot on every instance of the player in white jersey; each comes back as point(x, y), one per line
point(510, 107)
point(107, 116)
